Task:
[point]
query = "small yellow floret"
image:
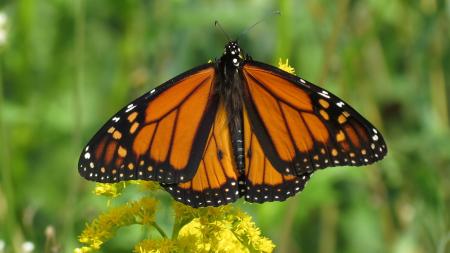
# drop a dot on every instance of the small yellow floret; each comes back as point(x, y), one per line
point(285, 66)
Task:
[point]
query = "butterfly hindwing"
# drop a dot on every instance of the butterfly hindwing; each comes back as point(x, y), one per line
point(264, 182)
point(159, 136)
point(215, 181)
point(302, 127)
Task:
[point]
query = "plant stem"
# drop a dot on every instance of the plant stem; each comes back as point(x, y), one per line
point(74, 179)
point(288, 221)
point(160, 230)
point(175, 230)
point(330, 46)
point(329, 219)
point(11, 228)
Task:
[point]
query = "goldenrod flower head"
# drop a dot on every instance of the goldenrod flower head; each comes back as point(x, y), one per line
point(114, 190)
point(109, 190)
point(285, 66)
point(105, 226)
point(221, 229)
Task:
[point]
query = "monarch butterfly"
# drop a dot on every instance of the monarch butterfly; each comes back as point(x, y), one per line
point(229, 129)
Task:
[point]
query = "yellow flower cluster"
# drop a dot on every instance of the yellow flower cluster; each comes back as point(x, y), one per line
point(115, 189)
point(222, 229)
point(105, 225)
point(210, 229)
point(109, 190)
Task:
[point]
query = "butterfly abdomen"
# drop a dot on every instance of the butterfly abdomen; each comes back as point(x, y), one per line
point(237, 142)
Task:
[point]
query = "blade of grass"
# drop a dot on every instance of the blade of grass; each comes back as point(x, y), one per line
point(74, 179)
point(13, 233)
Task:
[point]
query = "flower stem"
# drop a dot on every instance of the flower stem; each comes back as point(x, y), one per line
point(175, 230)
point(161, 232)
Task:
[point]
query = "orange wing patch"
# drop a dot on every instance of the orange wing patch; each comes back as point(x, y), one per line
point(173, 98)
point(215, 182)
point(263, 181)
point(289, 92)
point(162, 130)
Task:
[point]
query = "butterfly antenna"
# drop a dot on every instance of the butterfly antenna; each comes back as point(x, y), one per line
point(217, 24)
point(274, 13)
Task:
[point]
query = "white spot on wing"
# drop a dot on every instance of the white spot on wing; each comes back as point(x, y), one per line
point(116, 119)
point(87, 155)
point(324, 94)
point(130, 107)
point(152, 91)
point(340, 103)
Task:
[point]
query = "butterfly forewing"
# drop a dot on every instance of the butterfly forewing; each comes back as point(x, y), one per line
point(159, 136)
point(302, 127)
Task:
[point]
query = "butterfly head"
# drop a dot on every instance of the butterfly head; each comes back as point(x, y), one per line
point(232, 54)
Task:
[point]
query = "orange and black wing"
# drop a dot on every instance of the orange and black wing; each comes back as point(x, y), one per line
point(159, 136)
point(262, 181)
point(302, 127)
point(216, 179)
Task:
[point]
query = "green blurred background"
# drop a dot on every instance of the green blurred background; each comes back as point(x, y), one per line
point(67, 66)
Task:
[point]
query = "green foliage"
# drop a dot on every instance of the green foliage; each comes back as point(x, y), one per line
point(69, 65)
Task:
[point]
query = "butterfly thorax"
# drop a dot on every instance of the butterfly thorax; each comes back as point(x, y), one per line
point(229, 85)
point(229, 89)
